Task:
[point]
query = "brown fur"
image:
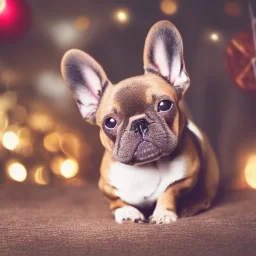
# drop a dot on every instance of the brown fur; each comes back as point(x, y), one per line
point(169, 135)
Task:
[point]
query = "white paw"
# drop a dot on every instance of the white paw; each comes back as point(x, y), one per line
point(161, 216)
point(128, 213)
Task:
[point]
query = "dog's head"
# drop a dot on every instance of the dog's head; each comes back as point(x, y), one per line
point(139, 118)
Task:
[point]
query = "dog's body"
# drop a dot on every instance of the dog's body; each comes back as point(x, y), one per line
point(154, 153)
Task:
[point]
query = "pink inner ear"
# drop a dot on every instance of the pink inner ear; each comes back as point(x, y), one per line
point(93, 82)
point(161, 58)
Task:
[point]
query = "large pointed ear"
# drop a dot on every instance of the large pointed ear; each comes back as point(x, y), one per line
point(163, 55)
point(86, 79)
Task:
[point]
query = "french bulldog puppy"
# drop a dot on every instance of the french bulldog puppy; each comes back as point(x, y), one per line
point(155, 155)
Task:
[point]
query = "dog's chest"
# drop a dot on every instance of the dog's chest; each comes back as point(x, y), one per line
point(142, 185)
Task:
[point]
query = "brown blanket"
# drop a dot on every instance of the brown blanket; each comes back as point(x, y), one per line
point(76, 221)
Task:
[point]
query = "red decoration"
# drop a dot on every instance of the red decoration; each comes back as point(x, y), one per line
point(14, 20)
point(240, 54)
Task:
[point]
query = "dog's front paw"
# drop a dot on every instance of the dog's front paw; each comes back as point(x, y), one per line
point(161, 216)
point(128, 213)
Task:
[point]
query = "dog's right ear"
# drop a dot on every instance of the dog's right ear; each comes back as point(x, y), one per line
point(86, 79)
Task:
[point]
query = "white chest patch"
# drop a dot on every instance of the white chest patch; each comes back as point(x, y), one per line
point(142, 185)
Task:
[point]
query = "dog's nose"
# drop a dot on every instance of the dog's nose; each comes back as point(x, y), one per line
point(140, 126)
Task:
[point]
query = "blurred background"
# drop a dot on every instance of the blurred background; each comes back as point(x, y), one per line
point(43, 139)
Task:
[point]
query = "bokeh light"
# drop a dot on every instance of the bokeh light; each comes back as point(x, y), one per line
point(70, 145)
point(14, 20)
point(250, 172)
point(214, 37)
point(51, 142)
point(169, 7)
point(82, 23)
point(7, 100)
point(2, 5)
point(42, 122)
point(232, 9)
point(69, 168)
point(56, 163)
point(17, 171)
point(122, 16)
point(3, 121)
point(41, 175)
point(10, 140)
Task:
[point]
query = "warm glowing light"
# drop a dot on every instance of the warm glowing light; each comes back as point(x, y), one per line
point(41, 176)
point(82, 23)
point(250, 172)
point(3, 121)
point(169, 7)
point(17, 172)
point(51, 142)
point(2, 5)
point(70, 145)
point(215, 37)
point(69, 168)
point(232, 9)
point(56, 164)
point(10, 140)
point(7, 100)
point(122, 16)
point(41, 121)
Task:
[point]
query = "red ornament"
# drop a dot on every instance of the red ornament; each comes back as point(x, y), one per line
point(240, 54)
point(14, 20)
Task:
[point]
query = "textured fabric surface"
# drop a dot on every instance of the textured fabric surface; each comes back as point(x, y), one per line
point(76, 221)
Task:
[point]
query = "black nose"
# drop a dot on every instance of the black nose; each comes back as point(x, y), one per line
point(140, 126)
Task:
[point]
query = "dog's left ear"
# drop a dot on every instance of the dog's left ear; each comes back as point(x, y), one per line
point(87, 81)
point(163, 55)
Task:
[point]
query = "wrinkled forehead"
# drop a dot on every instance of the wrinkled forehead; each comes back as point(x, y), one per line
point(133, 95)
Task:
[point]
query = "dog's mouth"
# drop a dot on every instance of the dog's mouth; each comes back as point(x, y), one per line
point(146, 152)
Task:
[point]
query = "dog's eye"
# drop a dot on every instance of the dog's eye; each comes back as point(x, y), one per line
point(110, 123)
point(164, 105)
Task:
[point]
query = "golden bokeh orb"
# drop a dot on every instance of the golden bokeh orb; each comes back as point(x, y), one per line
point(250, 172)
point(41, 176)
point(69, 168)
point(17, 172)
point(10, 140)
point(51, 142)
point(122, 16)
point(214, 37)
point(82, 23)
point(169, 7)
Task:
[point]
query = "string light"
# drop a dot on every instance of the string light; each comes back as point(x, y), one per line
point(250, 172)
point(214, 37)
point(169, 7)
point(69, 168)
point(122, 16)
point(17, 172)
point(10, 140)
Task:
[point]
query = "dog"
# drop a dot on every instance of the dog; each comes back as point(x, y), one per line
point(155, 156)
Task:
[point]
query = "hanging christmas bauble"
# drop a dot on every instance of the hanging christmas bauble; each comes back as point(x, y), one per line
point(240, 58)
point(14, 20)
